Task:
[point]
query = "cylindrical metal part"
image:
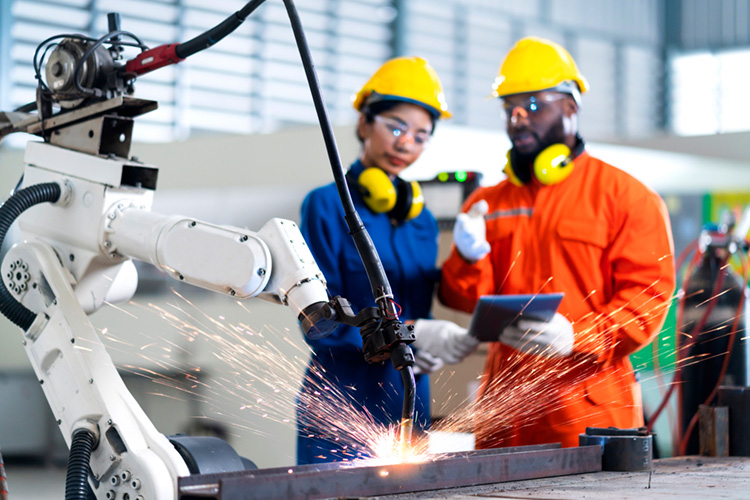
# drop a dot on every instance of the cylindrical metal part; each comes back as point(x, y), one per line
point(622, 449)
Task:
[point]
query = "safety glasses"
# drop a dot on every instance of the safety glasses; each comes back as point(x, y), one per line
point(530, 104)
point(400, 129)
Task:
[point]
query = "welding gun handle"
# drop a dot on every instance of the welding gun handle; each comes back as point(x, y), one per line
point(152, 59)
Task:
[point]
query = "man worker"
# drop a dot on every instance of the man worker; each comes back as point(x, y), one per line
point(563, 221)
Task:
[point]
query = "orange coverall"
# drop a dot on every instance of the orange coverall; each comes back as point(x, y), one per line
point(604, 239)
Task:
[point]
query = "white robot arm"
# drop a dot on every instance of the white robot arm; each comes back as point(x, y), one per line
point(76, 254)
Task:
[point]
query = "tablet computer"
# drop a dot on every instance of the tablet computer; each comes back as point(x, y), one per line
point(494, 312)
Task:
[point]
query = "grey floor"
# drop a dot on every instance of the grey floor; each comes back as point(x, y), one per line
point(35, 482)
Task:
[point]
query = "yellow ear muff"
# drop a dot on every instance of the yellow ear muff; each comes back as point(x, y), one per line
point(377, 190)
point(417, 202)
point(508, 171)
point(554, 164)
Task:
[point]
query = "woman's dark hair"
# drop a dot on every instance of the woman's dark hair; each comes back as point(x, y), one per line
point(372, 110)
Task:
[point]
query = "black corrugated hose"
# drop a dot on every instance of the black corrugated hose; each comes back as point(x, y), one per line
point(76, 479)
point(9, 212)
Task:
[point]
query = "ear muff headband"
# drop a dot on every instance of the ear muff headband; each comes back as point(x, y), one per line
point(509, 171)
point(401, 202)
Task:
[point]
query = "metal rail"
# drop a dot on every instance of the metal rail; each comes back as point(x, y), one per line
point(342, 479)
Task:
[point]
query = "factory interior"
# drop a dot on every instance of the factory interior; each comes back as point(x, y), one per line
point(237, 141)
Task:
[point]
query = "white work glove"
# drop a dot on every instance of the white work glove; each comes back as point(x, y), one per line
point(426, 363)
point(551, 338)
point(443, 339)
point(470, 232)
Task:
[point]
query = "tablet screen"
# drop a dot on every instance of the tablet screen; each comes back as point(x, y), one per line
point(494, 312)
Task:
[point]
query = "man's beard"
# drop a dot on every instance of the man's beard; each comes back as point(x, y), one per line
point(523, 162)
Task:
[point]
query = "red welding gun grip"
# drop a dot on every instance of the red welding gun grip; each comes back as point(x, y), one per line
point(152, 59)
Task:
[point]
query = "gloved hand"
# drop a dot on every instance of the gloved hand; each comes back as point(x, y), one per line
point(470, 232)
point(425, 363)
point(443, 339)
point(552, 338)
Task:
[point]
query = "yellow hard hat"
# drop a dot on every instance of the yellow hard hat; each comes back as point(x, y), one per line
point(535, 64)
point(408, 79)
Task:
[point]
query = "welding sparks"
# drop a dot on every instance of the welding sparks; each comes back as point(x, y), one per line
point(259, 372)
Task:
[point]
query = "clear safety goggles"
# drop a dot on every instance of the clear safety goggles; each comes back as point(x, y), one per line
point(400, 129)
point(530, 104)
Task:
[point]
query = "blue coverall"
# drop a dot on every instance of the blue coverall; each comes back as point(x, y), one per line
point(408, 252)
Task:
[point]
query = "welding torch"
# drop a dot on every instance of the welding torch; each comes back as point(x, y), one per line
point(383, 334)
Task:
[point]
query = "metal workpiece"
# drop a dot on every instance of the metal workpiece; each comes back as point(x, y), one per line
point(737, 400)
point(370, 478)
point(622, 449)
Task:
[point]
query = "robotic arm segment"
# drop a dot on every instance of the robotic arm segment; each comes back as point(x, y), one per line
point(224, 259)
point(297, 280)
point(84, 389)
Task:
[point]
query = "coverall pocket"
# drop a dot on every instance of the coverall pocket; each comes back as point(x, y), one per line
point(585, 230)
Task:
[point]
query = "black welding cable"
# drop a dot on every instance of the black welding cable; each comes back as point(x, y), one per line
point(9, 212)
point(76, 477)
point(381, 288)
point(210, 37)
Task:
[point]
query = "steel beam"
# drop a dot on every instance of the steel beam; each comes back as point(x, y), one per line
point(342, 479)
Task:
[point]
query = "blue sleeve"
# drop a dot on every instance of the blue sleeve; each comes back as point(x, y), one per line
point(324, 229)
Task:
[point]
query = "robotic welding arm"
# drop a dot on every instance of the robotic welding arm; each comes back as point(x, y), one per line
point(84, 214)
point(85, 219)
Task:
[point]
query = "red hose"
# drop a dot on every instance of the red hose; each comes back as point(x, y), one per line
point(724, 366)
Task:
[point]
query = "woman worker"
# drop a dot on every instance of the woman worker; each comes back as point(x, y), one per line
point(399, 107)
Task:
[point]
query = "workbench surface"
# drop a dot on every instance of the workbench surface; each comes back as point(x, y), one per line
point(699, 478)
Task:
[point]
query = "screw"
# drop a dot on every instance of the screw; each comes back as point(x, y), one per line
point(243, 237)
point(72, 257)
point(59, 421)
point(192, 223)
point(109, 422)
point(261, 271)
point(91, 381)
point(232, 292)
point(112, 458)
